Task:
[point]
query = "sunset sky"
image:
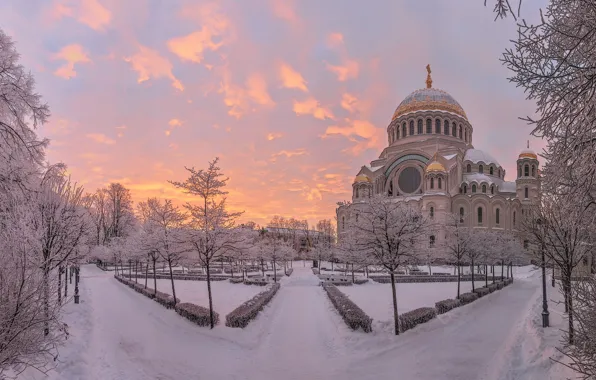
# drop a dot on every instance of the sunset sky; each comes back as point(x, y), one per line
point(294, 96)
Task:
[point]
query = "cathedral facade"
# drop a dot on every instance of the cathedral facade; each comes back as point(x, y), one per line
point(430, 162)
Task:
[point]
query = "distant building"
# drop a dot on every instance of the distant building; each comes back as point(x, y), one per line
point(305, 239)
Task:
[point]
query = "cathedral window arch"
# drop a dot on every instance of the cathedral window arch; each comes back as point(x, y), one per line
point(497, 216)
point(465, 189)
point(440, 182)
point(526, 170)
point(480, 169)
point(469, 168)
point(411, 128)
point(461, 214)
point(526, 192)
point(419, 126)
point(432, 183)
point(356, 217)
point(473, 188)
point(446, 128)
point(454, 130)
point(432, 212)
point(533, 171)
point(431, 241)
point(499, 173)
point(466, 135)
point(491, 171)
point(492, 189)
point(429, 126)
point(479, 212)
point(403, 130)
point(460, 131)
point(343, 222)
point(514, 218)
point(438, 126)
point(484, 189)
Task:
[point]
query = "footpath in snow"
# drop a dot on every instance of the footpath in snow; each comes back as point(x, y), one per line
point(118, 334)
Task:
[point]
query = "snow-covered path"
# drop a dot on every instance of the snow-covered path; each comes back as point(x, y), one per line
point(118, 334)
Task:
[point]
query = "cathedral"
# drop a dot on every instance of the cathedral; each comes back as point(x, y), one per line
point(430, 162)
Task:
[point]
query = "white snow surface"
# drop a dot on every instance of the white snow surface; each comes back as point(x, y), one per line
point(477, 155)
point(117, 333)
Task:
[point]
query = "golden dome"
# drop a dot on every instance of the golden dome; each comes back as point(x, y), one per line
point(429, 99)
point(362, 178)
point(435, 166)
point(527, 153)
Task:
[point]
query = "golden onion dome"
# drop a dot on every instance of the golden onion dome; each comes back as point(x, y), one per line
point(362, 178)
point(435, 166)
point(527, 153)
point(429, 99)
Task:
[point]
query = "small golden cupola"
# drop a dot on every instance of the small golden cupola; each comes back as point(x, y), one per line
point(362, 178)
point(435, 166)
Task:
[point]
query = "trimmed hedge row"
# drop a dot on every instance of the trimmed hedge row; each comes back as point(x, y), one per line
point(196, 314)
point(492, 287)
point(188, 277)
point(256, 281)
point(421, 278)
point(481, 291)
point(415, 317)
point(243, 314)
point(360, 281)
point(315, 271)
point(237, 280)
point(467, 298)
point(162, 298)
point(446, 305)
point(354, 317)
point(289, 272)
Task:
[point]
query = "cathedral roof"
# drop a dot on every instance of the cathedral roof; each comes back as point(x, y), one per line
point(361, 178)
point(528, 153)
point(477, 155)
point(429, 99)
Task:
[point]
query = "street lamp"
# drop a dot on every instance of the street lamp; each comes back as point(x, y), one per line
point(545, 313)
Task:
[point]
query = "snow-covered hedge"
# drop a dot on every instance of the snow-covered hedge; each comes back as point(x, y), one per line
point(339, 283)
point(195, 313)
point(420, 278)
point(446, 305)
point(441, 274)
point(415, 317)
point(500, 285)
point(315, 271)
point(243, 314)
point(467, 298)
point(508, 281)
point(189, 277)
point(481, 291)
point(165, 299)
point(416, 273)
point(236, 280)
point(360, 281)
point(354, 317)
point(289, 272)
point(492, 287)
point(256, 281)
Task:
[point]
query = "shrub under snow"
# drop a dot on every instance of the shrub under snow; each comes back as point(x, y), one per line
point(446, 305)
point(481, 291)
point(492, 287)
point(236, 280)
point(243, 314)
point(360, 281)
point(500, 285)
point(353, 315)
point(196, 314)
point(415, 317)
point(166, 300)
point(467, 298)
point(289, 272)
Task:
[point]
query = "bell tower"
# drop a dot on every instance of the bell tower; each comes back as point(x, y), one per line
point(527, 183)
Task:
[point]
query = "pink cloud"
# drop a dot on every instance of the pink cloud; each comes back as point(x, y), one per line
point(72, 54)
point(312, 107)
point(291, 78)
point(149, 64)
point(89, 12)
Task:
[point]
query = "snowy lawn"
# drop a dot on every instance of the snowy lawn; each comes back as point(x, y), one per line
point(376, 300)
point(226, 296)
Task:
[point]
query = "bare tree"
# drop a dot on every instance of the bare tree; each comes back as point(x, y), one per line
point(211, 231)
point(389, 233)
point(457, 242)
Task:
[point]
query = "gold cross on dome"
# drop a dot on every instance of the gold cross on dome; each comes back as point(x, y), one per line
point(429, 81)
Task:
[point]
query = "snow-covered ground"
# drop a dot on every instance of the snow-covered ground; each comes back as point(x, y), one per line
point(118, 334)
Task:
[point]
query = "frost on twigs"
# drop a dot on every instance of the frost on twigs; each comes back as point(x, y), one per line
point(354, 317)
point(196, 314)
point(243, 314)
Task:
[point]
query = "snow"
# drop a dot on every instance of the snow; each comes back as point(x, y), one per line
point(449, 156)
point(117, 333)
point(226, 296)
point(477, 155)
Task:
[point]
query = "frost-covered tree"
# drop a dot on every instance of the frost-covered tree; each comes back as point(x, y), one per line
point(457, 242)
point(389, 233)
point(210, 233)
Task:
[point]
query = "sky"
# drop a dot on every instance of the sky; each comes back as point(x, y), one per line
point(293, 96)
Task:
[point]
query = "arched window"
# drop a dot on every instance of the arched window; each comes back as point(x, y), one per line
point(440, 183)
point(419, 127)
point(480, 169)
point(484, 189)
point(461, 214)
point(411, 128)
point(432, 183)
point(533, 171)
point(429, 126)
point(526, 244)
point(454, 130)
point(499, 173)
point(466, 135)
point(465, 189)
point(492, 189)
point(526, 192)
point(343, 222)
point(469, 168)
point(432, 212)
point(357, 193)
point(460, 131)
point(526, 170)
point(479, 215)
point(519, 171)
point(497, 217)
point(356, 217)
point(431, 241)
point(513, 218)
point(404, 130)
point(474, 188)
point(438, 126)
point(446, 128)
point(490, 171)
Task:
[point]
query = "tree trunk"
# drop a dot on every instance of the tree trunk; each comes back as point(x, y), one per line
point(154, 278)
point(430, 271)
point(274, 272)
point(46, 299)
point(492, 270)
point(232, 268)
point(352, 271)
point(66, 282)
point(60, 285)
point(454, 270)
point(263, 267)
point(332, 265)
point(473, 276)
point(210, 297)
point(458, 280)
point(172, 280)
point(395, 316)
point(570, 327)
point(366, 270)
point(553, 279)
point(486, 275)
point(136, 270)
point(146, 273)
point(502, 265)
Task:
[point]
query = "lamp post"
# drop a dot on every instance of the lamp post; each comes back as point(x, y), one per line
point(545, 313)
